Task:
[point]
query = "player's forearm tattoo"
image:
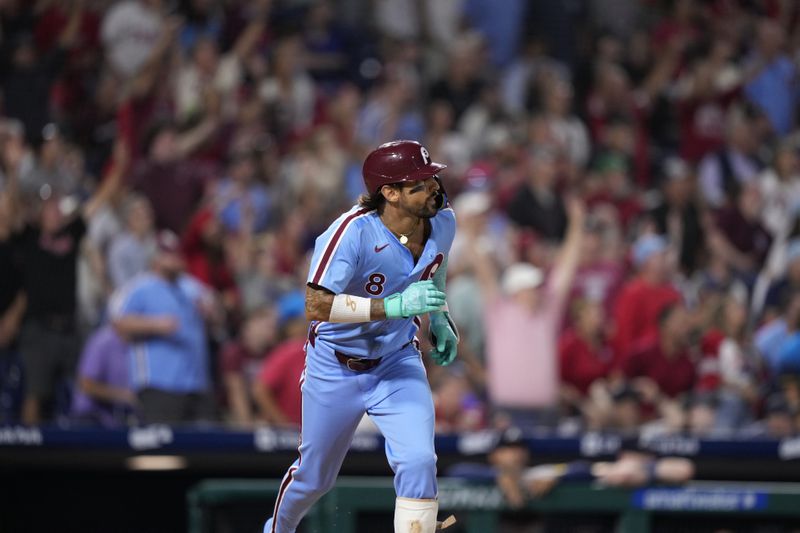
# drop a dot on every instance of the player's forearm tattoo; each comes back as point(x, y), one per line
point(318, 304)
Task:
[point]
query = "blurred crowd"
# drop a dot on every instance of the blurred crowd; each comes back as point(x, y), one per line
point(626, 178)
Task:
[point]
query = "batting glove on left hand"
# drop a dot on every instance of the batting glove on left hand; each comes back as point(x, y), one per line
point(444, 338)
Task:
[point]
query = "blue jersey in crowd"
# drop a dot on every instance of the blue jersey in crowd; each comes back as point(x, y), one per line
point(358, 255)
point(177, 362)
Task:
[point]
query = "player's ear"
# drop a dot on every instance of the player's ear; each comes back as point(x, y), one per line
point(391, 193)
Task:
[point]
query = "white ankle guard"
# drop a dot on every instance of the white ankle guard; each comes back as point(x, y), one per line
point(415, 516)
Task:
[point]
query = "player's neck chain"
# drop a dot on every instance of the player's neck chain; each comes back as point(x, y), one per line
point(403, 237)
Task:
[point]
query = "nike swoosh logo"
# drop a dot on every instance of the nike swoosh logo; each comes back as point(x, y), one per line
point(379, 248)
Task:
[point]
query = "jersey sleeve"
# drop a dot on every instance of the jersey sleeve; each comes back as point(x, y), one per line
point(336, 254)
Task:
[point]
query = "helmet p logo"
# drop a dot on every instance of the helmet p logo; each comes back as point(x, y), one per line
point(426, 158)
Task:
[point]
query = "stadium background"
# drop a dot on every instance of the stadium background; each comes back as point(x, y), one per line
point(241, 126)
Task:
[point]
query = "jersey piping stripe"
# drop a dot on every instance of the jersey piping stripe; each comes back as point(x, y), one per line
point(333, 244)
point(287, 480)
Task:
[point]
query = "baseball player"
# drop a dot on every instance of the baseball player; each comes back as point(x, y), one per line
point(374, 271)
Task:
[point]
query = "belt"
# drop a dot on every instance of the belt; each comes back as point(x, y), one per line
point(360, 364)
point(357, 364)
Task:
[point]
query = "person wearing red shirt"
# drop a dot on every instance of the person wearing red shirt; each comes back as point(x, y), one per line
point(662, 366)
point(643, 298)
point(241, 359)
point(277, 387)
point(584, 356)
point(203, 245)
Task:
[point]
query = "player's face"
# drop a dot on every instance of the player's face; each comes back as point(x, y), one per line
point(419, 198)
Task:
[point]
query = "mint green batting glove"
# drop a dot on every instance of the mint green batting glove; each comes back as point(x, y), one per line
point(417, 299)
point(444, 338)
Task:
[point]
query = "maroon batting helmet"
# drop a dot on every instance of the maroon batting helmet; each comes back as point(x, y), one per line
point(398, 162)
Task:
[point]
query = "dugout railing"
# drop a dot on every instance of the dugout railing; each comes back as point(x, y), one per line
point(479, 507)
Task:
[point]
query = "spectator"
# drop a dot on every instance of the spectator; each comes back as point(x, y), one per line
point(621, 411)
point(172, 181)
point(500, 28)
point(482, 120)
point(441, 138)
point(584, 353)
point(678, 216)
point(729, 367)
point(103, 396)
point(162, 316)
point(48, 250)
point(456, 405)
point(773, 74)
point(130, 252)
point(721, 174)
point(537, 206)
point(388, 112)
point(568, 131)
point(527, 308)
point(277, 387)
point(30, 77)
point(643, 298)
point(661, 368)
point(289, 93)
point(326, 44)
point(705, 92)
point(528, 70)
point(462, 84)
point(51, 174)
point(601, 272)
point(780, 190)
point(240, 198)
point(613, 188)
point(211, 71)
point(203, 247)
point(738, 237)
point(240, 361)
point(257, 276)
point(613, 101)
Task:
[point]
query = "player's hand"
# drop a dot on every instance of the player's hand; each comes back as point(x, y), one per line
point(444, 338)
point(417, 299)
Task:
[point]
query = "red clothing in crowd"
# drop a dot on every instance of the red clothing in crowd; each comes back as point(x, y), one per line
point(203, 264)
point(599, 116)
point(235, 359)
point(748, 236)
point(702, 124)
point(708, 368)
point(599, 281)
point(636, 313)
point(628, 207)
point(580, 363)
point(674, 375)
point(281, 374)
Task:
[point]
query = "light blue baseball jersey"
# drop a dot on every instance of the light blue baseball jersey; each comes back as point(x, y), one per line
point(177, 362)
point(358, 255)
